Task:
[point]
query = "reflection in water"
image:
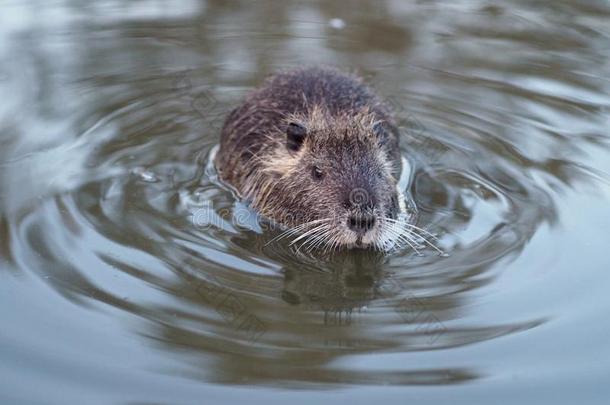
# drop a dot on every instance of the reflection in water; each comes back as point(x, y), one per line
point(106, 199)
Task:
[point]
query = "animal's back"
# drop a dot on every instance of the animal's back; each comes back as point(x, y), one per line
point(297, 91)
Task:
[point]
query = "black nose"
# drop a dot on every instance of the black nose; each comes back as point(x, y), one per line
point(361, 222)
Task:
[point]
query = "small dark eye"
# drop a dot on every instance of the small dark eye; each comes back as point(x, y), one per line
point(316, 173)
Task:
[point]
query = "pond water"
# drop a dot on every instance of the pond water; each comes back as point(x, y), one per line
point(129, 275)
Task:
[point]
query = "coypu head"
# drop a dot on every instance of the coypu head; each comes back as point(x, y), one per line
point(332, 180)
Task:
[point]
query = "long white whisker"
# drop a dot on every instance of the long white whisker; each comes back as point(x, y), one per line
point(320, 231)
point(417, 228)
point(320, 239)
point(306, 234)
point(302, 226)
point(402, 237)
point(330, 246)
point(408, 241)
point(337, 242)
point(297, 229)
point(414, 231)
point(328, 242)
point(412, 226)
point(426, 241)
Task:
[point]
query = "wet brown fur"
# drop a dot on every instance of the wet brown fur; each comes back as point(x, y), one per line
point(339, 112)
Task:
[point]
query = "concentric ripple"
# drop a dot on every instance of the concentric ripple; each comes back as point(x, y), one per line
point(127, 259)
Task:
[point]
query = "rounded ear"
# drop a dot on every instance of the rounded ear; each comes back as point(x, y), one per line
point(295, 135)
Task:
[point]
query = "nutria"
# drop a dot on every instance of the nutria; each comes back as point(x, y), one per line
point(315, 150)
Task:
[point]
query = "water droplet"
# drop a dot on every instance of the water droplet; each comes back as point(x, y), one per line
point(336, 23)
point(145, 175)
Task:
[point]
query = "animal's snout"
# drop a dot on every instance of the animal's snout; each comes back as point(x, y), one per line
point(360, 199)
point(361, 223)
point(361, 205)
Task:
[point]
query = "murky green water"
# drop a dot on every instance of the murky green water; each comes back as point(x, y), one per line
point(129, 276)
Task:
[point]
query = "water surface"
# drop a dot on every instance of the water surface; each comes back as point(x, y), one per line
point(129, 275)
